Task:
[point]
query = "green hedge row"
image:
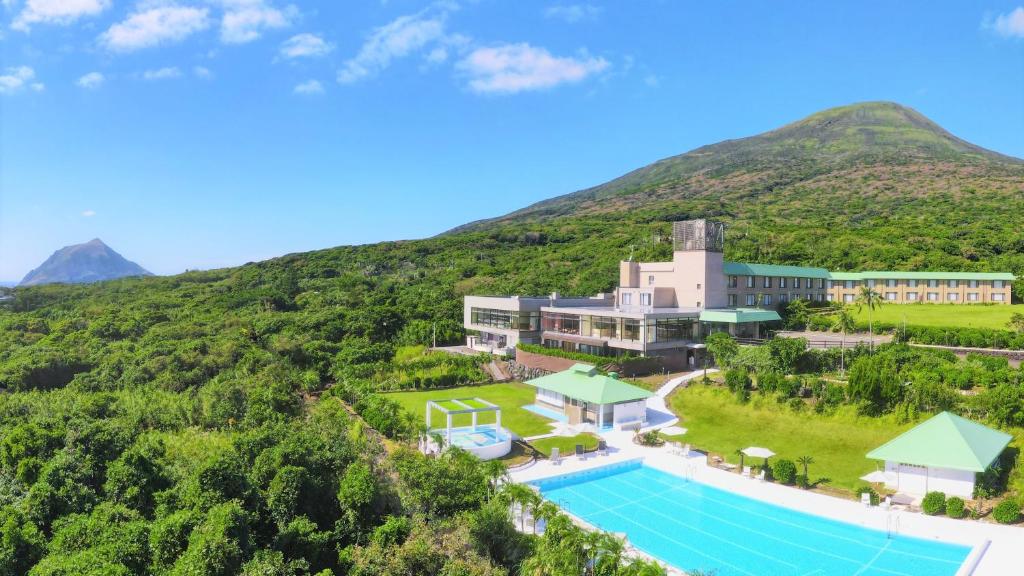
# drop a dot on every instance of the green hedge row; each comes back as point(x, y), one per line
point(578, 356)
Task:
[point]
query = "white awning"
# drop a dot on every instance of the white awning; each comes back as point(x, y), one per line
point(758, 452)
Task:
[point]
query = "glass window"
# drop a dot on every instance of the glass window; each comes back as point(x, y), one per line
point(767, 283)
point(952, 284)
point(953, 296)
point(829, 298)
point(821, 283)
point(972, 283)
point(849, 284)
point(750, 281)
point(933, 296)
point(750, 299)
point(627, 298)
point(891, 296)
point(972, 296)
point(933, 283)
point(782, 282)
point(669, 329)
point(998, 297)
point(997, 283)
point(630, 329)
point(912, 296)
point(796, 282)
point(559, 322)
point(890, 283)
point(783, 298)
point(912, 283)
point(767, 300)
point(645, 298)
point(732, 299)
point(650, 280)
point(732, 281)
point(847, 297)
point(604, 327)
point(871, 283)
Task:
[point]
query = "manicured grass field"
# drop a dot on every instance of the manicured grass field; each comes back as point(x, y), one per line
point(838, 443)
point(510, 397)
point(566, 444)
point(942, 315)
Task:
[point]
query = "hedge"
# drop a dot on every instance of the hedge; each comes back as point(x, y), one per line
point(578, 356)
point(953, 336)
point(933, 503)
point(1007, 512)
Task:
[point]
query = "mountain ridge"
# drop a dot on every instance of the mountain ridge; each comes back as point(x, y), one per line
point(841, 138)
point(91, 261)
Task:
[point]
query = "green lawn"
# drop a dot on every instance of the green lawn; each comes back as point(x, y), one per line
point(566, 444)
point(943, 315)
point(838, 443)
point(510, 397)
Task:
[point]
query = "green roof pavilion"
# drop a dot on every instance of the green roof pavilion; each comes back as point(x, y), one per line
point(583, 382)
point(945, 441)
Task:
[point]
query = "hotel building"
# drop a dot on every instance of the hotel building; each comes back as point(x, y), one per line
point(667, 308)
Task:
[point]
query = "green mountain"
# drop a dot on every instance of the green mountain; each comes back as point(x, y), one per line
point(92, 261)
point(839, 154)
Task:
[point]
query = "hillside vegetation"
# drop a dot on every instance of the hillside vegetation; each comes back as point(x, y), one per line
point(200, 423)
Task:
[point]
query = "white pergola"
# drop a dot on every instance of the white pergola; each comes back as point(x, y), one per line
point(463, 407)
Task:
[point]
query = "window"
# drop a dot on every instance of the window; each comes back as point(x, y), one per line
point(847, 298)
point(698, 286)
point(933, 283)
point(796, 282)
point(891, 296)
point(506, 319)
point(972, 283)
point(550, 397)
point(732, 281)
point(848, 284)
point(630, 329)
point(951, 283)
point(750, 299)
point(871, 283)
point(997, 283)
point(972, 296)
point(650, 280)
point(953, 296)
point(912, 296)
point(604, 327)
point(627, 298)
point(645, 298)
point(933, 296)
point(890, 283)
point(668, 329)
point(810, 297)
point(829, 298)
point(767, 300)
point(821, 283)
point(912, 283)
point(559, 322)
point(750, 281)
point(766, 282)
point(998, 297)
point(783, 298)
point(732, 300)
point(782, 282)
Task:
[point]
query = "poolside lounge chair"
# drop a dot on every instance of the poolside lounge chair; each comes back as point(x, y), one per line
point(602, 447)
point(556, 457)
point(580, 454)
point(761, 476)
point(746, 472)
point(865, 499)
point(886, 504)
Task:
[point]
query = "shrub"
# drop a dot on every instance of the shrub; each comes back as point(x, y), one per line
point(933, 503)
point(955, 507)
point(1007, 512)
point(784, 471)
point(871, 493)
point(801, 481)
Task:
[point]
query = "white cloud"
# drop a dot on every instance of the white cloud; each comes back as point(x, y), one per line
point(61, 12)
point(91, 80)
point(437, 55)
point(166, 73)
point(15, 78)
point(309, 87)
point(202, 72)
point(396, 39)
point(652, 80)
point(245, 20)
point(572, 13)
point(89, 213)
point(305, 45)
point(1010, 25)
point(512, 68)
point(155, 25)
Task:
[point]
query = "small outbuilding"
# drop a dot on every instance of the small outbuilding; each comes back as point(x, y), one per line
point(586, 396)
point(941, 454)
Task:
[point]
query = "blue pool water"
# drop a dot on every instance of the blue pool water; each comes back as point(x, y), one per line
point(695, 526)
point(466, 437)
point(546, 412)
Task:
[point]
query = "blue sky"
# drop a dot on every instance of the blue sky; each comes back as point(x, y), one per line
point(207, 133)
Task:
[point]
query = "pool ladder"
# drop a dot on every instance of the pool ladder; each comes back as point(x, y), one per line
point(892, 524)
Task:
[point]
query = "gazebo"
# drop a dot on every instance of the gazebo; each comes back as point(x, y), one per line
point(941, 454)
point(486, 441)
point(585, 396)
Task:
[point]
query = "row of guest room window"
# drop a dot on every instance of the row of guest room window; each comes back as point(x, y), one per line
point(893, 283)
point(628, 329)
point(769, 299)
point(781, 281)
point(796, 283)
point(929, 296)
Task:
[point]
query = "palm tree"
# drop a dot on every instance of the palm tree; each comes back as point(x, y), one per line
point(741, 455)
point(869, 297)
point(545, 511)
point(496, 474)
point(518, 494)
point(805, 461)
point(844, 323)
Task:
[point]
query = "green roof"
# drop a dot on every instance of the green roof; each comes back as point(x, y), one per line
point(945, 441)
point(884, 275)
point(584, 382)
point(738, 315)
point(743, 269)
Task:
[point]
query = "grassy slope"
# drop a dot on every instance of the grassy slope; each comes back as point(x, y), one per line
point(943, 315)
point(510, 397)
point(837, 443)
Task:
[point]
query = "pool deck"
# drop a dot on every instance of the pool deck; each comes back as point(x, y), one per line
point(1001, 557)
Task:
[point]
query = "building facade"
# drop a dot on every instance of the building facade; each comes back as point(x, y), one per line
point(667, 308)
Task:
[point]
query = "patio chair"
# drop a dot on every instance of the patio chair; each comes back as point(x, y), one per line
point(556, 457)
point(865, 499)
point(887, 503)
point(580, 454)
point(686, 451)
point(746, 472)
point(602, 447)
point(760, 476)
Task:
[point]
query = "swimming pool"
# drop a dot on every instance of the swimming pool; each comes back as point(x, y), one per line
point(695, 526)
point(546, 412)
point(486, 441)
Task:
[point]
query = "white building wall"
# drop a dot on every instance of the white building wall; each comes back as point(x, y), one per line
point(630, 412)
point(919, 480)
